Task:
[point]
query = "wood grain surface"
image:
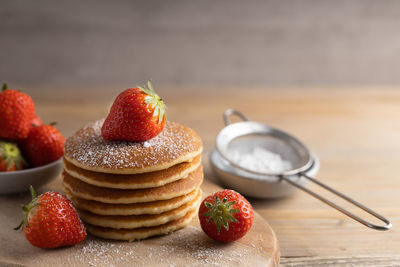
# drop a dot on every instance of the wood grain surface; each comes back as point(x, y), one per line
point(186, 247)
point(354, 132)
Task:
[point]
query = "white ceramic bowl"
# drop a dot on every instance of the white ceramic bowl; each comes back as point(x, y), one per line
point(19, 181)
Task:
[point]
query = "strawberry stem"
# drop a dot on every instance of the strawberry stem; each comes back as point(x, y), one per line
point(153, 100)
point(220, 212)
point(33, 192)
point(19, 226)
point(26, 209)
point(5, 87)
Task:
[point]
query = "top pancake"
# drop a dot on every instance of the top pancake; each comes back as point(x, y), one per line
point(88, 150)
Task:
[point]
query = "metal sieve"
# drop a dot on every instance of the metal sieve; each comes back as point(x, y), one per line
point(245, 135)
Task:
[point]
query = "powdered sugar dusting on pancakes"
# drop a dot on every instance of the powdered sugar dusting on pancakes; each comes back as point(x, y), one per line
point(89, 148)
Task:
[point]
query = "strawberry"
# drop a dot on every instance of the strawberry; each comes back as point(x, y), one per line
point(43, 145)
point(10, 157)
point(137, 115)
point(50, 220)
point(16, 113)
point(226, 215)
point(36, 121)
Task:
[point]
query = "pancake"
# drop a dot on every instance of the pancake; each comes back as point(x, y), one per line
point(143, 232)
point(127, 196)
point(137, 221)
point(88, 150)
point(154, 207)
point(133, 181)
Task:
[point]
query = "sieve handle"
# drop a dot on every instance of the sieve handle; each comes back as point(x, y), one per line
point(230, 112)
point(342, 210)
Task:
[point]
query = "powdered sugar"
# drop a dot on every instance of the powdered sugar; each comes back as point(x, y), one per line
point(261, 160)
point(88, 147)
point(187, 247)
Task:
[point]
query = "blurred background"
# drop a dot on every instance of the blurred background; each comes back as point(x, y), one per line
point(51, 45)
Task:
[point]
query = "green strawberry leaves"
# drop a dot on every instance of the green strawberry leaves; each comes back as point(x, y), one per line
point(12, 155)
point(220, 213)
point(153, 100)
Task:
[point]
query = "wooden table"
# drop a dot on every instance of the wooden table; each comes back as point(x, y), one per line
point(354, 131)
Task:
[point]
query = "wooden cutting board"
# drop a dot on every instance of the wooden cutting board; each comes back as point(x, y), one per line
point(186, 247)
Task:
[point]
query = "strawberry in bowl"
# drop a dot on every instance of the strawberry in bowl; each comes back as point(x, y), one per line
point(43, 151)
point(17, 111)
point(44, 144)
point(30, 151)
point(10, 157)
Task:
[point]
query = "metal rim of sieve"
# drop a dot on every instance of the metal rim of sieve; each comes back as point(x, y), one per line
point(231, 131)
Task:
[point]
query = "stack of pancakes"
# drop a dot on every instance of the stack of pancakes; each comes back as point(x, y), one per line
point(129, 191)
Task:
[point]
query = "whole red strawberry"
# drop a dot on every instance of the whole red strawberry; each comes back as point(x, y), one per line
point(226, 215)
point(16, 113)
point(43, 145)
point(51, 221)
point(10, 157)
point(137, 115)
